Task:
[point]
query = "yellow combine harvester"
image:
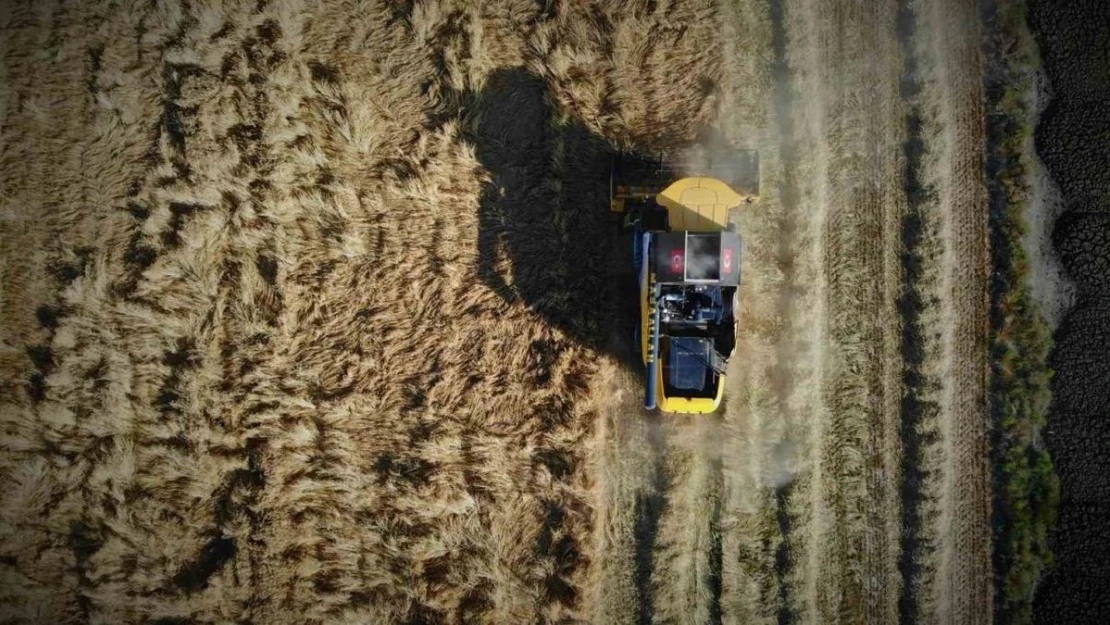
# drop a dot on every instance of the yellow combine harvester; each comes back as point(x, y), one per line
point(687, 257)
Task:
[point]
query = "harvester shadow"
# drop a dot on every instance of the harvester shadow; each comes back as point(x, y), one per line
point(546, 237)
point(548, 240)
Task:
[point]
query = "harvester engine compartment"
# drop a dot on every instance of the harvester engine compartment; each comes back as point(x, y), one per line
point(691, 304)
point(696, 330)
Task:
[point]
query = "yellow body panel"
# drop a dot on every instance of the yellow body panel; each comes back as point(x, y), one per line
point(698, 204)
point(684, 405)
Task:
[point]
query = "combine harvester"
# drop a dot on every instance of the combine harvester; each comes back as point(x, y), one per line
point(687, 257)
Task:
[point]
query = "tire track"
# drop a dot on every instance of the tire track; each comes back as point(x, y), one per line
point(803, 515)
point(769, 399)
point(919, 408)
point(632, 488)
point(649, 510)
point(965, 557)
point(939, 489)
point(783, 371)
point(685, 575)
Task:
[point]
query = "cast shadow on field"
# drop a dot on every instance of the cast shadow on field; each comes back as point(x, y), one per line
point(546, 236)
point(548, 240)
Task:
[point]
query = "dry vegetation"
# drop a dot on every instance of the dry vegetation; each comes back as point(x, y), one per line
point(1027, 490)
point(304, 314)
point(313, 312)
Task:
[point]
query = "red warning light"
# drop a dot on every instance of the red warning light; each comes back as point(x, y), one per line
point(726, 260)
point(676, 261)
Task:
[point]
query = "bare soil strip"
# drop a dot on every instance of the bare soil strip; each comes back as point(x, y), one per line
point(956, 477)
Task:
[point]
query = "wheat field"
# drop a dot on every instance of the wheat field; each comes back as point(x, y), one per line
point(314, 312)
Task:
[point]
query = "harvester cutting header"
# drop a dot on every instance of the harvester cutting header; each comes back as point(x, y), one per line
point(687, 258)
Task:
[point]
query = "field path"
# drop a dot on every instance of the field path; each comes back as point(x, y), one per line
point(855, 475)
point(956, 516)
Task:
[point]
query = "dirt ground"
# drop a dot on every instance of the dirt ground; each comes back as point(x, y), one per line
point(314, 312)
point(1074, 39)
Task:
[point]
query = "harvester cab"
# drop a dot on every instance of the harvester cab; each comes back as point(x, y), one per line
point(686, 254)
